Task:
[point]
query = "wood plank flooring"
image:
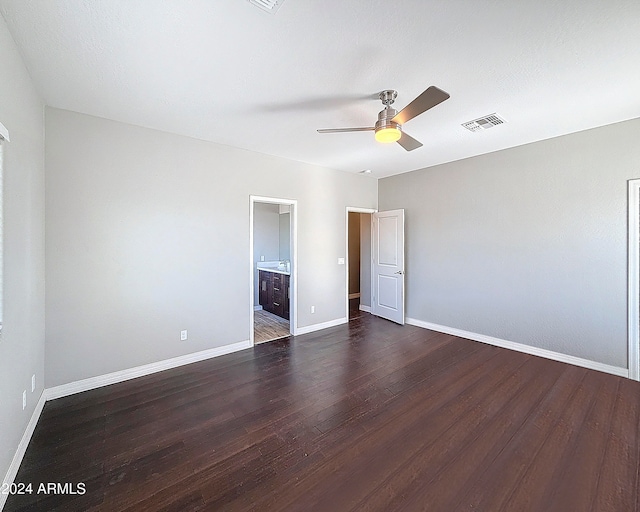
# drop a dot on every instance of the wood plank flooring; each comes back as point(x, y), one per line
point(354, 309)
point(364, 416)
point(267, 326)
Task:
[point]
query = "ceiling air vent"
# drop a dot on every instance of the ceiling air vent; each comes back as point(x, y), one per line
point(267, 5)
point(483, 123)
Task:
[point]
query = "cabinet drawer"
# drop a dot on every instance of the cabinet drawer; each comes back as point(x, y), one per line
point(278, 308)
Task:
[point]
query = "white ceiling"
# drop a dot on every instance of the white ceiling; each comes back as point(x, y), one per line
point(225, 71)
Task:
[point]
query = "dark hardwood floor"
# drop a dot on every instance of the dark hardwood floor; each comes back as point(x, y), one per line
point(364, 416)
point(354, 309)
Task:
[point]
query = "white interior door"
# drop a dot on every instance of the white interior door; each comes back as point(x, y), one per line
point(388, 265)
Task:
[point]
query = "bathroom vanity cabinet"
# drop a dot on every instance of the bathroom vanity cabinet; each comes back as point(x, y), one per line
point(274, 292)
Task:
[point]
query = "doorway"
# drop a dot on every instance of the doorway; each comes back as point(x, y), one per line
point(359, 263)
point(273, 268)
point(380, 263)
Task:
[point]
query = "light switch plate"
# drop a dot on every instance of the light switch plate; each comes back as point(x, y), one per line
point(340, 261)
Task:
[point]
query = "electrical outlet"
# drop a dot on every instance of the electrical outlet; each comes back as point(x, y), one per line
point(183, 335)
point(261, 258)
point(24, 399)
point(313, 309)
point(33, 382)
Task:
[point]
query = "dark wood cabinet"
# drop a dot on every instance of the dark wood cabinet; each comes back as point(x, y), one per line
point(286, 298)
point(274, 293)
point(264, 283)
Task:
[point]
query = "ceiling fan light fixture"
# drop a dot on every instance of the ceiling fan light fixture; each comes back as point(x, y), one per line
point(387, 135)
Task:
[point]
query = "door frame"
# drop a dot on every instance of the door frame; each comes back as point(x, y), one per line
point(293, 244)
point(356, 209)
point(633, 280)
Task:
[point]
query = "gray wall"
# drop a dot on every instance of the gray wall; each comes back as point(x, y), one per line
point(22, 339)
point(365, 259)
point(266, 238)
point(527, 244)
point(284, 226)
point(148, 234)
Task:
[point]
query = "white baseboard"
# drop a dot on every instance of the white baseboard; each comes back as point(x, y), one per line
point(354, 295)
point(22, 448)
point(139, 371)
point(257, 308)
point(317, 327)
point(364, 308)
point(519, 347)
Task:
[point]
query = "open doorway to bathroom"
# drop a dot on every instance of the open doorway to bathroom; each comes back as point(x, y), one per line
point(358, 262)
point(273, 268)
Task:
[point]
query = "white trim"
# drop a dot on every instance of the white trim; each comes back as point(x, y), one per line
point(354, 295)
point(139, 371)
point(366, 309)
point(633, 280)
point(293, 283)
point(519, 347)
point(4, 133)
point(355, 209)
point(22, 447)
point(323, 325)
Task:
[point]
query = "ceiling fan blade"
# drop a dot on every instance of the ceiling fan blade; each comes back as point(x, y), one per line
point(340, 130)
point(408, 142)
point(428, 99)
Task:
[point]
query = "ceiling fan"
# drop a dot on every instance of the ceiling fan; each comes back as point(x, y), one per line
point(388, 127)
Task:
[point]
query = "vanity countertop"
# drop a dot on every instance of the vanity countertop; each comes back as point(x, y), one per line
point(274, 266)
point(275, 271)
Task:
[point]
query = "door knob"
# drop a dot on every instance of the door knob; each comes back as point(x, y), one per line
point(399, 272)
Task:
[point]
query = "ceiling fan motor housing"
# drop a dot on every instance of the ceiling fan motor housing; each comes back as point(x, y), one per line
point(388, 113)
point(385, 119)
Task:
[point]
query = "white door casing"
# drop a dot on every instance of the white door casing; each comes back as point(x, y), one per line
point(370, 262)
point(293, 241)
point(633, 276)
point(388, 265)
